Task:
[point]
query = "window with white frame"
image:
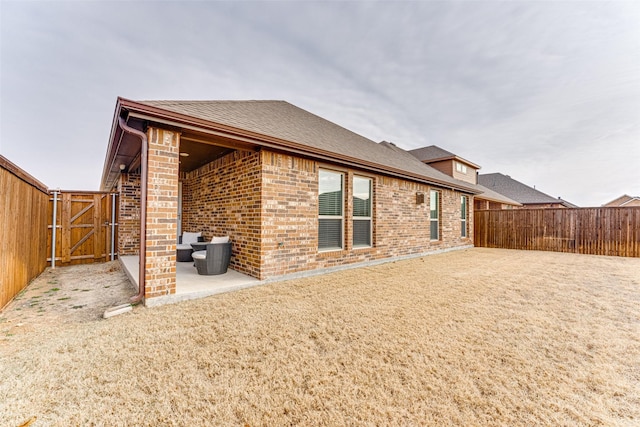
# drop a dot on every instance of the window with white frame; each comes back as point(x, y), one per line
point(463, 215)
point(434, 215)
point(361, 212)
point(330, 210)
point(461, 168)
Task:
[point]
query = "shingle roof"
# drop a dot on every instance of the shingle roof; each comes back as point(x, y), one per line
point(433, 153)
point(513, 189)
point(284, 121)
point(493, 196)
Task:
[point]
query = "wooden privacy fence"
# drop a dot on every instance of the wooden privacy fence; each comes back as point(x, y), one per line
point(86, 226)
point(23, 229)
point(597, 231)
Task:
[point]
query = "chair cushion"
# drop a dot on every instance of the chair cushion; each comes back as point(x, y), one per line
point(188, 237)
point(199, 255)
point(223, 239)
point(180, 246)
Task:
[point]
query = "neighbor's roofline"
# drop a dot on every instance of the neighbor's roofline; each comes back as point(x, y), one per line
point(144, 111)
point(454, 157)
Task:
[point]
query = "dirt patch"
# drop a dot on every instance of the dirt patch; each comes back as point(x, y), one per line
point(64, 295)
point(474, 337)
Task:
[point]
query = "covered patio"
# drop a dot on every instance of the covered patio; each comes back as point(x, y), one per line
point(189, 284)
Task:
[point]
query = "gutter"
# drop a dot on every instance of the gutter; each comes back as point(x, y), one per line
point(144, 148)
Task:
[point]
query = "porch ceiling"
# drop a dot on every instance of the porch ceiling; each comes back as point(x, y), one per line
point(199, 154)
point(198, 149)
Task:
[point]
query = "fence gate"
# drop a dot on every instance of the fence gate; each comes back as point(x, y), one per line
point(85, 227)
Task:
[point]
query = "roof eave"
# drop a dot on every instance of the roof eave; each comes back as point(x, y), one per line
point(111, 148)
point(151, 113)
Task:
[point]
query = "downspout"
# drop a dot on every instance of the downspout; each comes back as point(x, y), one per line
point(144, 146)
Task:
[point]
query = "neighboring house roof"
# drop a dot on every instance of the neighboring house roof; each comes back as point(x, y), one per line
point(566, 204)
point(284, 126)
point(492, 196)
point(623, 200)
point(513, 189)
point(433, 153)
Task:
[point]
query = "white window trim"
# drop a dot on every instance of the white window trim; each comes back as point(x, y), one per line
point(340, 217)
point(437, 219)
point(464, 221)
point(364, 218)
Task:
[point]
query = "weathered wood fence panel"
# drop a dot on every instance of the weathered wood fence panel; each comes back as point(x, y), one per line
point(597, 231)
point(23, 229)
point(83, 227)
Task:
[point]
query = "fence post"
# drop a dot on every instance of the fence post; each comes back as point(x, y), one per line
point(53, 229)
point(113, 224)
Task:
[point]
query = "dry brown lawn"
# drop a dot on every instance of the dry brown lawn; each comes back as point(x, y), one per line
point(473, 337)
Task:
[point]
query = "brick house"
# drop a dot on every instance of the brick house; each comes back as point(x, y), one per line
point(464, 170)
point(294, 191)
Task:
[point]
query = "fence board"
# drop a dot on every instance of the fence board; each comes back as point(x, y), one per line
point(23, 229)
point(599, 231)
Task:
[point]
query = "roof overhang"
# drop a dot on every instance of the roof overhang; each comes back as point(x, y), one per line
point(122, 148)
point(454, 157)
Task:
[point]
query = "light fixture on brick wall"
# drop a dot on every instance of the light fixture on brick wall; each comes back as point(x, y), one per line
point(419, 198)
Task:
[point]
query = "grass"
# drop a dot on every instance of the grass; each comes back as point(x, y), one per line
point(477, 337)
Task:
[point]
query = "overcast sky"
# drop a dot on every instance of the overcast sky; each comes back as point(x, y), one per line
point(546, 92)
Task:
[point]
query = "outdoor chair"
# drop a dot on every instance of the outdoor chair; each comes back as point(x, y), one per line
point(183, 248)
point(214, 260)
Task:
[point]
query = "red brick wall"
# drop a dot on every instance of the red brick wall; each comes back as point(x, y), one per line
point(268, 204)
point(224, 198)
point(129, 214)
point(162, 210)
point(401, 227)
point(290, 214)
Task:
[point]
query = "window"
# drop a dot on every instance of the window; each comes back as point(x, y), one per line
point(461, 168)
point(330, 210)
point(463, 215)
point(361, 212)
point(434, 202)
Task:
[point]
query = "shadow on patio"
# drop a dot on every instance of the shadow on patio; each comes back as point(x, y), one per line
point(191, 285)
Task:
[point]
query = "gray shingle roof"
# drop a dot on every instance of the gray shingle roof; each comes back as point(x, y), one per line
point(279, 119)
point(513, 189)
point(433, 153)
point(493, 196)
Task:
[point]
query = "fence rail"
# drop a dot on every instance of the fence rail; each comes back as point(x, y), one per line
point(597, 231)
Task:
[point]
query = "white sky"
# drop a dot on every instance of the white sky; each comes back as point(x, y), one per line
point(546, 92)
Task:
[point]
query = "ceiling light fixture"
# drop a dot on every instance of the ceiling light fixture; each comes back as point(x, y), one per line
point(184, 154)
